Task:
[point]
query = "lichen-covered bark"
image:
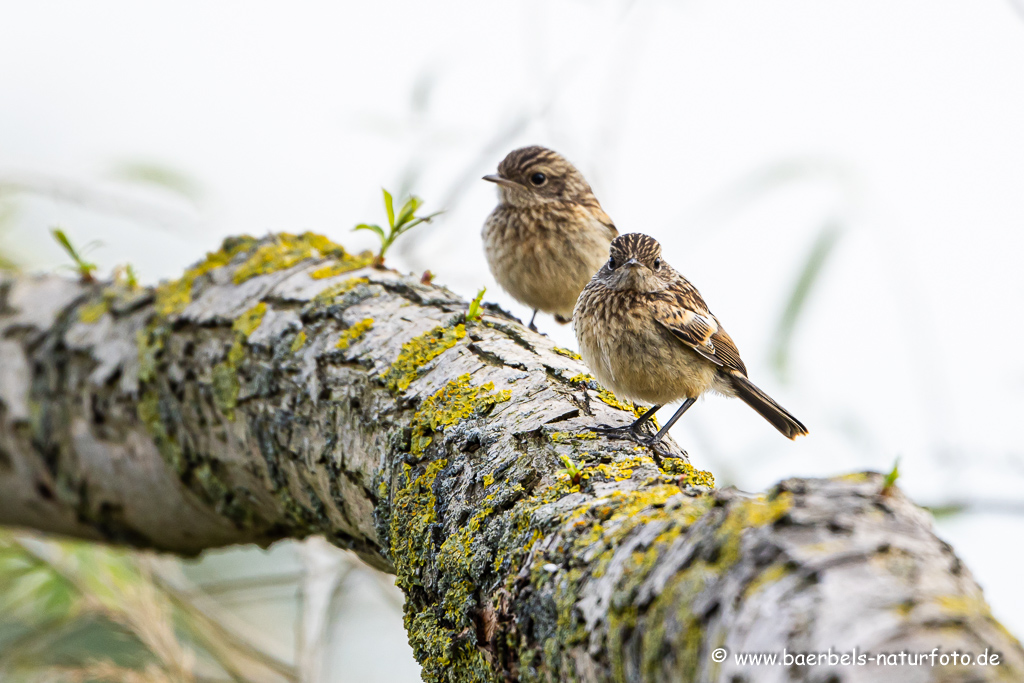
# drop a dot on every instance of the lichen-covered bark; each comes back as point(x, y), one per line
point(285, 387)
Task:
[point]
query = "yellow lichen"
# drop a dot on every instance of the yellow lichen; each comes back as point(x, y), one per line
point(343, 265)
point(353, 333)
point(299, 341)
point(247, 323)
point(449, 405)
point(768, 576)
point(687, 472)
point(285, 250)
point(91, 313)
point(563, 437)
point(173, 297)
point(419, 351)
point(582, 378)
point(568, 353)
point(962, 606)
point(756, 512)
point(334, 291)
point(608, 397)
point(488, 480)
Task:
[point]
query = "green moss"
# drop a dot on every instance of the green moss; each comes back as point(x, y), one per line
point(354, 333)
point(226, 388)
point(443, 655)
point(173, 297)
point(299, 341)
point(285, 250)
point(150, 342)
point(412, 514)
point(449, 405)
point(248, 322)
point(91, 313)
point(419, 351)
point(568, 353)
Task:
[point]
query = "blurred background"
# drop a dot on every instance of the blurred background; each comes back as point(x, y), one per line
point(844, 181)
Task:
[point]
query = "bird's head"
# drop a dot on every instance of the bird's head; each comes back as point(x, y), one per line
point(635, 263)
point(533, 176)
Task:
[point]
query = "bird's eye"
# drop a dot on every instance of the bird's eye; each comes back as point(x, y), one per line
point(657, 264)
point(611, 263)
point(538, 179)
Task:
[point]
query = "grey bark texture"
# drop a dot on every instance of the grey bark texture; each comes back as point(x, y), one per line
point(284, 387)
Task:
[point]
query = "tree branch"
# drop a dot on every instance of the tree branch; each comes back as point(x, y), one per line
point(283, 388)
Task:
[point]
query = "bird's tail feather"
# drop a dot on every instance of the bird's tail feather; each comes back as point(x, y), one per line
point(766, 407)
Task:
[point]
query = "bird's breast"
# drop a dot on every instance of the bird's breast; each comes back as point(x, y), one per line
point(633, 355)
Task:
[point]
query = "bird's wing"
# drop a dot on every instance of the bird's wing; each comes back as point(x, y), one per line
point(604, 220)
point(682, 311)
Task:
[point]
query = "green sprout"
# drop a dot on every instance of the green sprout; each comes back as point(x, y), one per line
point(84, 269)
point(572, 470)
point(127, 276)
point(890, 479)
point(397, 226)
point(475, 309)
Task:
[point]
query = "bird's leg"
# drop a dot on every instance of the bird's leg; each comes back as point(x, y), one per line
point(668, 425)
point(632, 429)
point(532, 318)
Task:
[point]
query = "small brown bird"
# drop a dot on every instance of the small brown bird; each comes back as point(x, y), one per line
point(548, 235)
point(647, 334)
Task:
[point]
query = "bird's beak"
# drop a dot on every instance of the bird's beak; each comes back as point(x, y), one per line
point(632, 263)
point(500, 180)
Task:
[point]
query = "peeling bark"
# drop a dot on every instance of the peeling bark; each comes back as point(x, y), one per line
point(284, 387)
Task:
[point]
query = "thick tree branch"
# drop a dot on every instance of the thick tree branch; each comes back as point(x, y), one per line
point(284, 388)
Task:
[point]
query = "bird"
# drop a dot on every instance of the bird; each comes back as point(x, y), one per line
point(548, 235)
point(646, 333)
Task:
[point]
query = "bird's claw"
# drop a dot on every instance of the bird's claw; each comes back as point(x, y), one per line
point(621, 432)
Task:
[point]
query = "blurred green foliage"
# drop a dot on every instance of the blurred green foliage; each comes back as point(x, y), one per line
point(76, 611)
point(158, 175)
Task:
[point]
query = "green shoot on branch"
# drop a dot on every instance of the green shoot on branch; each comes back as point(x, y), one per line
point(398, 225)
point(84, 269)
point(572, 470)
point(475, 309)
point(127, 276)
point(890, 479)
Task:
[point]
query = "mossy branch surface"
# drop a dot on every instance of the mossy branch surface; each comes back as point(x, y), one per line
point(284, 387)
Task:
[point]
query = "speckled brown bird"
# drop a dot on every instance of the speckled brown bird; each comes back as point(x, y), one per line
point(646, 333)
point(548, 235)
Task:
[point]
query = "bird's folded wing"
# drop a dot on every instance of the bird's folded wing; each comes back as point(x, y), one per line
point(604, 220)
point(698, 329)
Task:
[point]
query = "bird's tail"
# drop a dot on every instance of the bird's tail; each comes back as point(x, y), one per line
point(766, 407)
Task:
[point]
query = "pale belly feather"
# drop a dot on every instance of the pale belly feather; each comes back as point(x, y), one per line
point(643, 362)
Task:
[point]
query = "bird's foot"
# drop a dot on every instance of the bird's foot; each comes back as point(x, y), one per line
point(621, 432)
